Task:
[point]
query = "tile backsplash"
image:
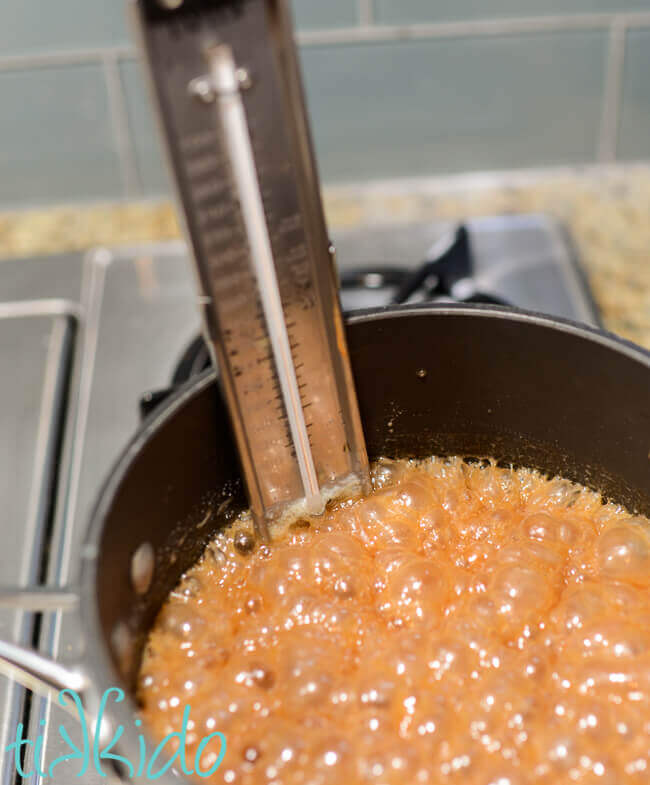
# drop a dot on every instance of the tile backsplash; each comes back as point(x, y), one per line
point(323, 14)
point(34, 26)
point(414, 11)
point(401, 108)
point(395, 88)
point(635, 114)
point(57, 140)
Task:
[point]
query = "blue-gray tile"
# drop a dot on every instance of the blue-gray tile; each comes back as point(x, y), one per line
point(410, 11)
point(316, 14)
point(144, 132)
point(421, 107)
point(634, 131)
point(33, 26)
point(57, 142)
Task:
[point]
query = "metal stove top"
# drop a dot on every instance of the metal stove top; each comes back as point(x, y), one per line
point(82, 338)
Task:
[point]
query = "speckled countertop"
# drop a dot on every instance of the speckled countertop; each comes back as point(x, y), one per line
point(606, 210)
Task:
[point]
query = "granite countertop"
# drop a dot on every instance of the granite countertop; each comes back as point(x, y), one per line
point(607, 211)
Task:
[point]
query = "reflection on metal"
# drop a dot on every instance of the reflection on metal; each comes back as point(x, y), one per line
point(38, 673)
point(22, 309)
point(38, 598)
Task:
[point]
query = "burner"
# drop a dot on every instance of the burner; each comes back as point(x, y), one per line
point(520, 260)
point(450, 264)
point(433, 279)
point(195, 358)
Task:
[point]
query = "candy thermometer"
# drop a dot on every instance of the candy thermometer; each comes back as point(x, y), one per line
point(227, 88)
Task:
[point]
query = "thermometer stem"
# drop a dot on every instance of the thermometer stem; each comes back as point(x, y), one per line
point(226, 83)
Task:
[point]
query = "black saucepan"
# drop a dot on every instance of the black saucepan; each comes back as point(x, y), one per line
point(475, 381)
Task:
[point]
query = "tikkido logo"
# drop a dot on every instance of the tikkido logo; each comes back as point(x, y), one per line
point(92, 750)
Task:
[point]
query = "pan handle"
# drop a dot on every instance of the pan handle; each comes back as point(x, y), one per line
point(38, 673)
point(47, 678)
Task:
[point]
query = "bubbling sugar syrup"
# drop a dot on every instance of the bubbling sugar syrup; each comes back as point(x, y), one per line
point(464, 623)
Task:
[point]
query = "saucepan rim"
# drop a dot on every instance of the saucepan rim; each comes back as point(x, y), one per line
point(96, 661)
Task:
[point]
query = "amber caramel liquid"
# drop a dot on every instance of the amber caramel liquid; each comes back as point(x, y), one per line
point(463, 624)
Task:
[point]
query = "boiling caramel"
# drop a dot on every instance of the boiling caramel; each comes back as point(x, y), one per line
point(463, 624)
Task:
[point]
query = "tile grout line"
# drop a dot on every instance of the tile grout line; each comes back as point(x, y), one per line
point(478, 28)
point(77, 57)
point(368, 32)
point(365, 12)
point(131, 182)
point(612, 94)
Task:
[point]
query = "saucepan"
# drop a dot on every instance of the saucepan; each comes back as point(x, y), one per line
point(475, 381)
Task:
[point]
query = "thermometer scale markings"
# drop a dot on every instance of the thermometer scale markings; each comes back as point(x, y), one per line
point(224, 76)
point(228, 93)
point(227, 254)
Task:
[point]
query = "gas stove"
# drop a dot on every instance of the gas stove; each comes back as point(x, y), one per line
point(92, 342)
point(526, 261)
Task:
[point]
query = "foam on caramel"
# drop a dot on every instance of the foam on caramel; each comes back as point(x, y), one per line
point(462, 624)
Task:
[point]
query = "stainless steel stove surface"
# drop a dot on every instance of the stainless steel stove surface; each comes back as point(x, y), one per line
point(83, 338)
point(521, 260)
